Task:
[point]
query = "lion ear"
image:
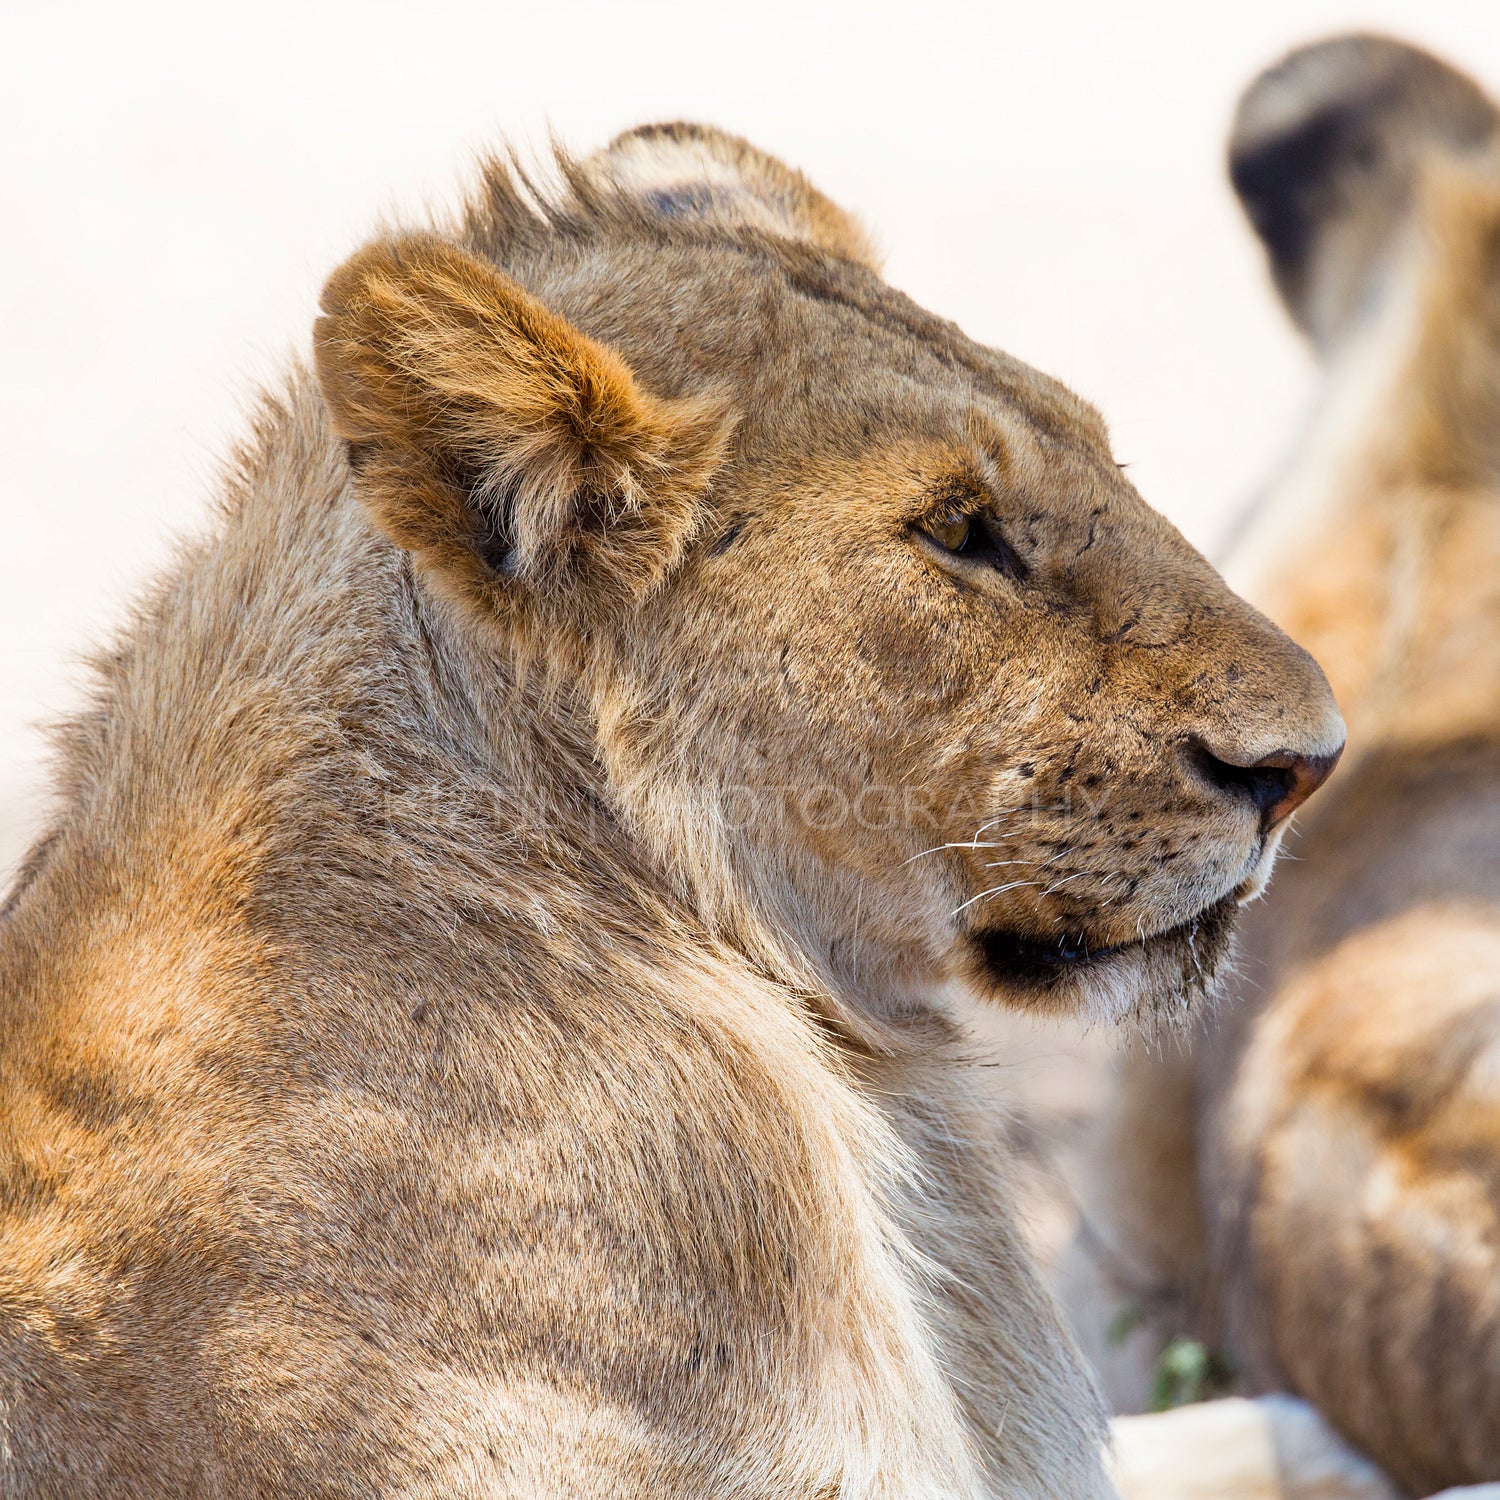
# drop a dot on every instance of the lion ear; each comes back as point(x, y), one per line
point(497, 442)
point(695, 172)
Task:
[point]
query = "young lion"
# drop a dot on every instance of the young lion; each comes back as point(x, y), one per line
point(1319, 1188)
point(485, 1021)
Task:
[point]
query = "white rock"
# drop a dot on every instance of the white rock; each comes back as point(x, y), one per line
point(1273, 1448)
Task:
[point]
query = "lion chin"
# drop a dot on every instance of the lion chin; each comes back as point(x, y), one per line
point(1157, 980)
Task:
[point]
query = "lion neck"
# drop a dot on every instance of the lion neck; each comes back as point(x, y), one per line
point(547, 719)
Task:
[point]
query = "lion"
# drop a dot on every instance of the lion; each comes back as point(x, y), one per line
point(487, 1016)
point(1314, 1188)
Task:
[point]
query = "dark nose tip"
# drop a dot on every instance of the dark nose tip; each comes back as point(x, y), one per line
point(1276, 785)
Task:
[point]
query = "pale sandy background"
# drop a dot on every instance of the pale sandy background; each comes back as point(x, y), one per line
point(176, 182)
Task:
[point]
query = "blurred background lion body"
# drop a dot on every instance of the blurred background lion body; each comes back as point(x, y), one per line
point(1316, 1189)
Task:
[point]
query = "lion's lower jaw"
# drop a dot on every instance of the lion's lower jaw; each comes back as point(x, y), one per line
point(1158, 983)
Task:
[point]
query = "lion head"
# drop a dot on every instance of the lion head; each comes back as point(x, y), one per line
point(888, 669)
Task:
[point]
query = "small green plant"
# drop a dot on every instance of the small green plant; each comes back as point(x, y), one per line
point(1188, 1371)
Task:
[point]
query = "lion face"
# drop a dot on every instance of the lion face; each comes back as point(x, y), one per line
point(889, 667)
point(975, 710)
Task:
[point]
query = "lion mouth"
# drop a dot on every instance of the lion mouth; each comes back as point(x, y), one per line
point(1014, 959)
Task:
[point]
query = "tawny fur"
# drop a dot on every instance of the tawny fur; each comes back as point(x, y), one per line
point(450, 1048)
point(1322, 1188)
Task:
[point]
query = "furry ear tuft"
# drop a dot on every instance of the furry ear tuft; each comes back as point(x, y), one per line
point(497, 442)
point(687, 171)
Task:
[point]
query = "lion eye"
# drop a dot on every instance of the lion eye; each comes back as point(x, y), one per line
point(953, 532)
point(976, 539)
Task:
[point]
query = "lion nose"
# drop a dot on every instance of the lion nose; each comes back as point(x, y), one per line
point(1276, 784)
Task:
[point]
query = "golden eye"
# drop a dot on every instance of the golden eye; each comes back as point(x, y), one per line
point(951, 532)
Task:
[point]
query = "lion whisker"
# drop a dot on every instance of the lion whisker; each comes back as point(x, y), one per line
point(993, 891)
point(938, 848)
